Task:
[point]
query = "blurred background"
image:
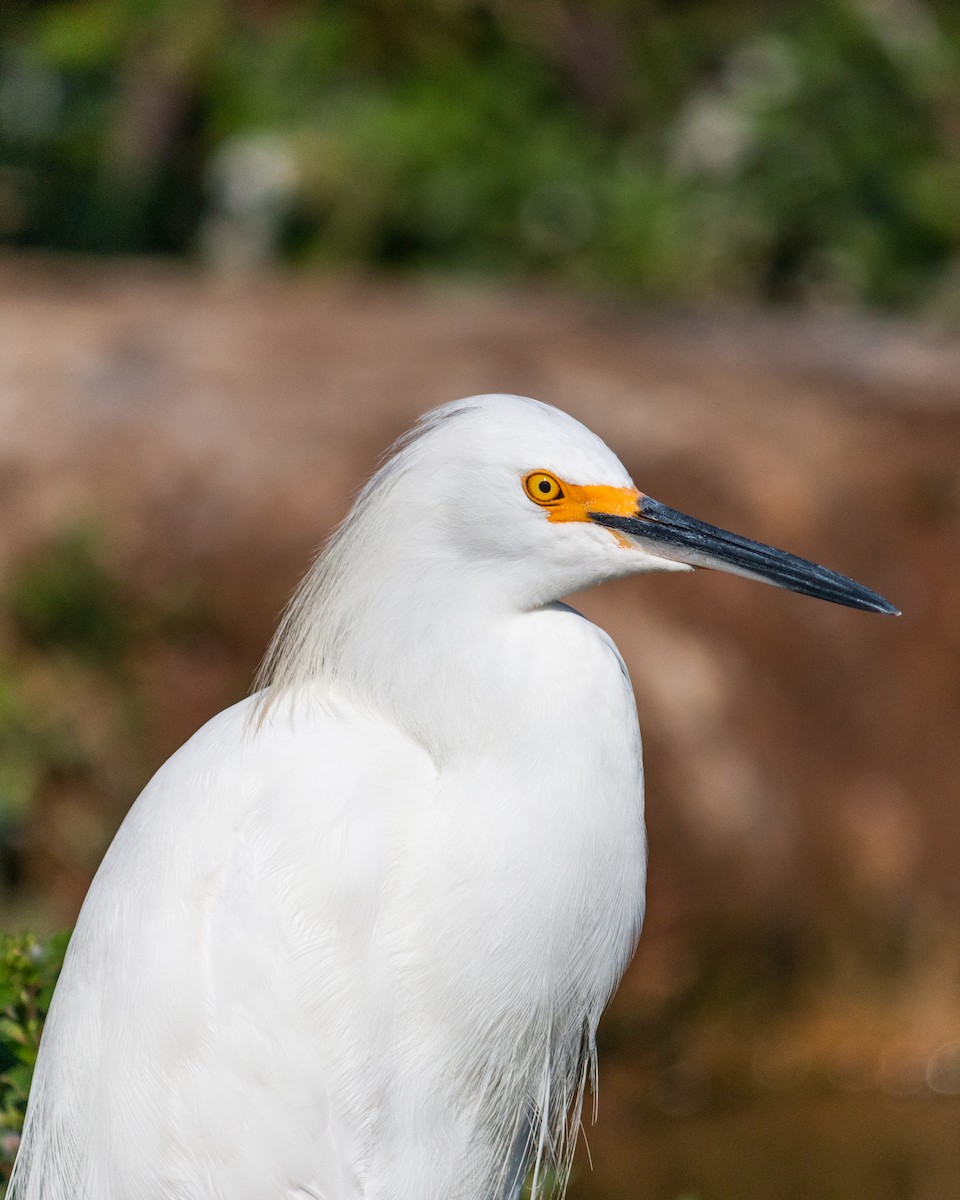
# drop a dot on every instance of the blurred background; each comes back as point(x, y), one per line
point(247, 242)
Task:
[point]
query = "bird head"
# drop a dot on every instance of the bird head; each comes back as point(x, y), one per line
point(522, 490)
point(490, 507)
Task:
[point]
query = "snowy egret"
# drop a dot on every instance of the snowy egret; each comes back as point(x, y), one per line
point(354, 938)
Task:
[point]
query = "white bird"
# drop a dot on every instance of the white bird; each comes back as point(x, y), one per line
point(353, 940)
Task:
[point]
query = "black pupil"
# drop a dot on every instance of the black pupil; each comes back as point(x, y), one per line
point(545, 486)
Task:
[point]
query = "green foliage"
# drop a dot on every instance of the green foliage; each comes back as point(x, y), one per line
point(64, 599)
point(28, 973)
point(799, 151)
point(67, 712)
point(30, 745)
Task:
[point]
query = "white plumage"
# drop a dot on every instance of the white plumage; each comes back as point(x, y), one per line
point(353, 940)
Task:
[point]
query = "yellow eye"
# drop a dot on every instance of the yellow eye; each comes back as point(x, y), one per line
point(542, 488)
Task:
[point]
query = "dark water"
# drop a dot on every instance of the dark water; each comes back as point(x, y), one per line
point(839, 1147)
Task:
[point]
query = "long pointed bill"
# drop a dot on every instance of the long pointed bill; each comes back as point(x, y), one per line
point(684, 539)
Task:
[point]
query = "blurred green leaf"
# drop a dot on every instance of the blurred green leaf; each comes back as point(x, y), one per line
point(682, 151)
point(65, 599)
point(28, 973)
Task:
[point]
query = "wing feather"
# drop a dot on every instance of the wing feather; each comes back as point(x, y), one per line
point(213, 1031)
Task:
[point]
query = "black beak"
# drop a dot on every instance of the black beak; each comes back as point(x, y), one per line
point(685, 539)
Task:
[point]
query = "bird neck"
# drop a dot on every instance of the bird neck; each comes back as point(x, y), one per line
point(444, 676)
point(418, 643)
point(405, 620)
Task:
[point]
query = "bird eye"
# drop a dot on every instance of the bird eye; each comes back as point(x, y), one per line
point(542, 488)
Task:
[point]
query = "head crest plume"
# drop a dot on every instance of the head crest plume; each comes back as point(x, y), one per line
point(317, 621)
